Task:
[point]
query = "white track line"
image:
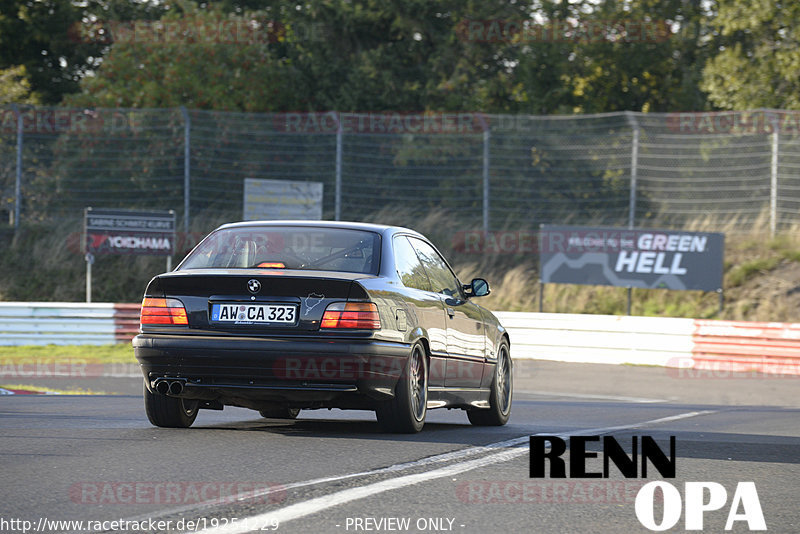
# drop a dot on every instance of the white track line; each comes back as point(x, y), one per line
point(638, 400)
point(318, 504)
point(280, 488)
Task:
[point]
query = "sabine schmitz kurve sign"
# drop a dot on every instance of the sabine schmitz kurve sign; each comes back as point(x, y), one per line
point(118, 231)
point(656, 259)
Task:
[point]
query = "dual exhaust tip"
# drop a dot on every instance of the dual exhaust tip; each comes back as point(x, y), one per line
point(166, 386)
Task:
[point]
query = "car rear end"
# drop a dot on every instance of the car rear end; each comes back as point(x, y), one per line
point(231, 329)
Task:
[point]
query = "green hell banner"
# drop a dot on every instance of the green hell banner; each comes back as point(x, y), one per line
point(655, 259)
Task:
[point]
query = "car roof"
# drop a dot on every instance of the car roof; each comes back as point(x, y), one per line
point(368, 227)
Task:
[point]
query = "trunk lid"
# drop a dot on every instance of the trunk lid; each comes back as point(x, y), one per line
point(208, 295)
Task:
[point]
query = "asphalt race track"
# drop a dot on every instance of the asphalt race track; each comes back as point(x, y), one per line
point(96, 458)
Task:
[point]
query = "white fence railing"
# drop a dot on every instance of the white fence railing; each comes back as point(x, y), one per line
point(66, 323)
point(598, 338)
point(772, 348)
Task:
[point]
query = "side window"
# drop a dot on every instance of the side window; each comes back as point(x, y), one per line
point(409, 268)
point(442, 278)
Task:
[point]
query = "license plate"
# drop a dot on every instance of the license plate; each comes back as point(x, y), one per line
point(254, 313)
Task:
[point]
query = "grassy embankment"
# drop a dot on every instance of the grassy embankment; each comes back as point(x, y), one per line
point(761, 280)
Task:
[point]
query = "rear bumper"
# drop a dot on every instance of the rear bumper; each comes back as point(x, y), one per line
point(303, 372)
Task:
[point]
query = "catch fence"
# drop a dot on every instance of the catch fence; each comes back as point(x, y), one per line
point(492, 171)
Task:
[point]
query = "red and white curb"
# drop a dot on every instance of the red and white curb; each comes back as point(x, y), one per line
point(700, 344)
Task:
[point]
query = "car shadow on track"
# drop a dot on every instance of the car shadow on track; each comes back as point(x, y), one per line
point(433, 432)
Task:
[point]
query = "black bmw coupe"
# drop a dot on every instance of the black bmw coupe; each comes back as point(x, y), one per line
point(283, 316)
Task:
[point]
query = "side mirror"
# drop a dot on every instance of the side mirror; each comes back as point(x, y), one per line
point(477, 288)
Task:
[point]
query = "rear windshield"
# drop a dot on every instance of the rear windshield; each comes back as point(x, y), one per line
point(291, 247)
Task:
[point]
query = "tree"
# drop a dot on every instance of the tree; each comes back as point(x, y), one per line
point(200, 58)
point(639, 55)
point(15, 87)
point(759, 66)
point(411, 55)
point(40, 35)
point(336, 54)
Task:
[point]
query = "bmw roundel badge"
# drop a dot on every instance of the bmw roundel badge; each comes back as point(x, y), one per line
point(254, 286)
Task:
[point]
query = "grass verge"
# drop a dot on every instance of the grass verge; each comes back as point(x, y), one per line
point(89, 354)
point(52, 391)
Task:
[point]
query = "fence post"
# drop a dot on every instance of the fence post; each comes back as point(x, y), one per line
point(634, 176)
point(18, 172)
point(187, 139)
point(486, 139)
point(338, 200)
point(773, 186)
point(634, 169)
point(89, 262)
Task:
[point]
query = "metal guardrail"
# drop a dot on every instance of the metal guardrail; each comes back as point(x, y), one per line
point(67, 323)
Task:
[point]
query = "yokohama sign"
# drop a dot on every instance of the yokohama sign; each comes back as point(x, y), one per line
point(129, 232)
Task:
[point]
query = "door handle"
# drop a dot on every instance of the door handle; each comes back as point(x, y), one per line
point(451, 312)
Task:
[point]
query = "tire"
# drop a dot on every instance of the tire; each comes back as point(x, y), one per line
point(169, 412)
point(501, 393)
point(280, 412)
point(405, 413)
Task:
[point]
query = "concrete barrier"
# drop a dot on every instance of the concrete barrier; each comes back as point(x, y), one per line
point(709, 345)
point(598, 338)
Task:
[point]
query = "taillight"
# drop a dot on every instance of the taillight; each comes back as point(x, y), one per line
point(271, 265)
point(163, 311)
point(361, 315)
